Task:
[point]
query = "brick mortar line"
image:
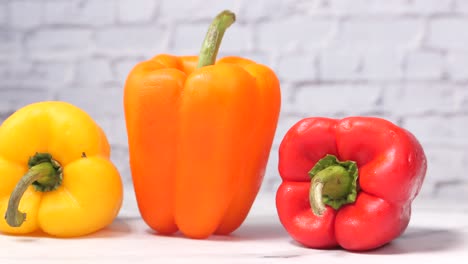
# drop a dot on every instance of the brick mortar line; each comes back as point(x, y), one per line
point(314, 83)
point(293, 85)
point(206, 21)
point(330, 15)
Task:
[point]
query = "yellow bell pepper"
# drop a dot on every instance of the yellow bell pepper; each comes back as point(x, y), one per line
point(55, 172)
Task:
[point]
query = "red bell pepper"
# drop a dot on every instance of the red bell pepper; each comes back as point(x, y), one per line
point(348, 182)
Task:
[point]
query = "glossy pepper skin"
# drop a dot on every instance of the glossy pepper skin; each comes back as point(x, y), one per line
point(199, 139)
point(87, 196)
point(391, 167)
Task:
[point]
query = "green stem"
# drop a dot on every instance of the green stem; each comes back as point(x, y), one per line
point(315, 198)
point(333, 183)
point(210, 46)
point(45, 174)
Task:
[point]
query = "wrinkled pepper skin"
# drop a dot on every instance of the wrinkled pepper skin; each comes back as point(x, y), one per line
point(199, 140)
point(90, 195)
point(392, 167)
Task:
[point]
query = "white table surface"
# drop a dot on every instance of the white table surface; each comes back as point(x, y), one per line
point(437, 233)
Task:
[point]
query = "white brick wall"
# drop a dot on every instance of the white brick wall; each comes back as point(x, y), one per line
point(404, 60)
point(129, 12)
point(77, 12)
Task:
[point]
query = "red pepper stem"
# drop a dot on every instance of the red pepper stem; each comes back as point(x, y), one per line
point(210, 46)
point(45, 174)
point(333, 182)
point(315, 197)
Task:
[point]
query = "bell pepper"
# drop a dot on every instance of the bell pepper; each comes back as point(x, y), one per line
point(348, 183)
point(54, 161)
point(199, 136)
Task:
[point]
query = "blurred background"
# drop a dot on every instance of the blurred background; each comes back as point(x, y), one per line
point(403, 60)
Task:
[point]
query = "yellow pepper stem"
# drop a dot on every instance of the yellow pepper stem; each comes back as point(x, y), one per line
point(213, 38)
point(45, 174)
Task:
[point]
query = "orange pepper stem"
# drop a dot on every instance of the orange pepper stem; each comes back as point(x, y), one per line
point(44, 173)
point(213, 38)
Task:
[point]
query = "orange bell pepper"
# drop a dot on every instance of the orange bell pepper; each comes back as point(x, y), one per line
point(199, 136)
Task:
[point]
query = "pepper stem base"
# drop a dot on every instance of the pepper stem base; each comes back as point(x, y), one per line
point(45, 174)
point(333, 183)
point(210, 46)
